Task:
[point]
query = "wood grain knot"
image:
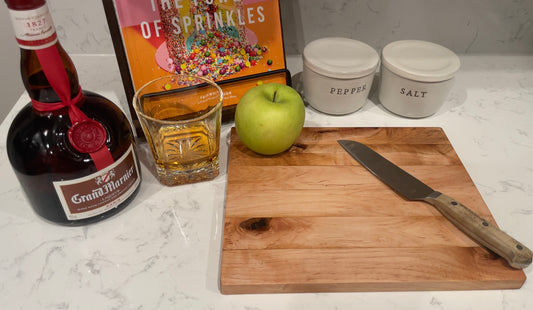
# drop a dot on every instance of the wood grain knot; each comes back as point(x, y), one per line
point(300, 146)
point(327, 130)
point(256, 224)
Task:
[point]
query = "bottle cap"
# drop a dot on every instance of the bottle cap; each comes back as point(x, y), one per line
point(24, 4)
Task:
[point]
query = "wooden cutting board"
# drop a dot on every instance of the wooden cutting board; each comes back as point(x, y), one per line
point(312, 219)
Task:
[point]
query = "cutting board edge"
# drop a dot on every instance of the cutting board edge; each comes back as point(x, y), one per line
point(369, 287)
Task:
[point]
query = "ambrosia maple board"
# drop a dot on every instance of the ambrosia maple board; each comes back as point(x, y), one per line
point(312, 219)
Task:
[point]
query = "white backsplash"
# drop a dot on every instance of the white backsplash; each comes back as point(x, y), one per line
point(464, 26)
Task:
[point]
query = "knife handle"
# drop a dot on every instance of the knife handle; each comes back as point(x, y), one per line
point(481, 231)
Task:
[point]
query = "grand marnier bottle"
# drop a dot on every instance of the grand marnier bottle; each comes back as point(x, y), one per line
point(72, 150)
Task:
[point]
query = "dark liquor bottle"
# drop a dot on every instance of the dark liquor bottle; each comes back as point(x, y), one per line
point(72, 150)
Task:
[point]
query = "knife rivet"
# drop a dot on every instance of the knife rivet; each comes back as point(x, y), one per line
point(518, 246)
point(485, 223)
point(454, 203)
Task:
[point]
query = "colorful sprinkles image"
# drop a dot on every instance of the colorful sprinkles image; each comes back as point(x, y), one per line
point(218, 46)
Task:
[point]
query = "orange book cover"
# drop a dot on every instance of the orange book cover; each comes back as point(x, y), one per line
point(237, 43)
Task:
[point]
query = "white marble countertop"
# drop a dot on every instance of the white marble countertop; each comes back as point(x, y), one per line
point(163, 251)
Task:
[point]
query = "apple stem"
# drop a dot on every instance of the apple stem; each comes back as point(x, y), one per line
point(274, 98)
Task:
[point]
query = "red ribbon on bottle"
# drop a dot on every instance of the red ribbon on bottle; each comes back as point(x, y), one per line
point(86, 135)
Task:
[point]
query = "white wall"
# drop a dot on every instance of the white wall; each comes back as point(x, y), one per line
point(465, 26)
point(11, 85)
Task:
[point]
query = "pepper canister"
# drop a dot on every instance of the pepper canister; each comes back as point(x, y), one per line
point(416, 77)
point(338, 74)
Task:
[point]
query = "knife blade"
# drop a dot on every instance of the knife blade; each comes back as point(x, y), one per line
point(474, 226)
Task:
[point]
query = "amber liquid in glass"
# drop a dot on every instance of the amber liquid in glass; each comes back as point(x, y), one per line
point(185, 148)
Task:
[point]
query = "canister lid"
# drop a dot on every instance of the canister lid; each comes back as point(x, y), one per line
point(420, 60)
point(340, 58)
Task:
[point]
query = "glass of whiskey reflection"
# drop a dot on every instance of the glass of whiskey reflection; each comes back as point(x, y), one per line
point(181, 116)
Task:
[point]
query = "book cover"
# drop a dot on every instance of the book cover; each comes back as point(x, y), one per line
point(236, 43)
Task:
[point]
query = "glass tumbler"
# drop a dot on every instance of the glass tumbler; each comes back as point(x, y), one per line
point(181, 116)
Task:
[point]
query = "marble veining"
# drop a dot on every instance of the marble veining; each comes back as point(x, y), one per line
point(81, 26)
point(465, 27)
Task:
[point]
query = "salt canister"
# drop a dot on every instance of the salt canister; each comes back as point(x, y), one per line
point(338, 74)
point(416, 77)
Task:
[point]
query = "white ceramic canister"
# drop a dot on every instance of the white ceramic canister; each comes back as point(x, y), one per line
point(416, 77)
point(338, 74)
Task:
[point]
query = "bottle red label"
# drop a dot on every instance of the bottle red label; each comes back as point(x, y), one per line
point(101, 191)
point(34, 29)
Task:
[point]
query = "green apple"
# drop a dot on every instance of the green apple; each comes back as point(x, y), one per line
point(269, 118)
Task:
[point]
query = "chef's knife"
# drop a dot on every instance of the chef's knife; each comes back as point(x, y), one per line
point(478, 229)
